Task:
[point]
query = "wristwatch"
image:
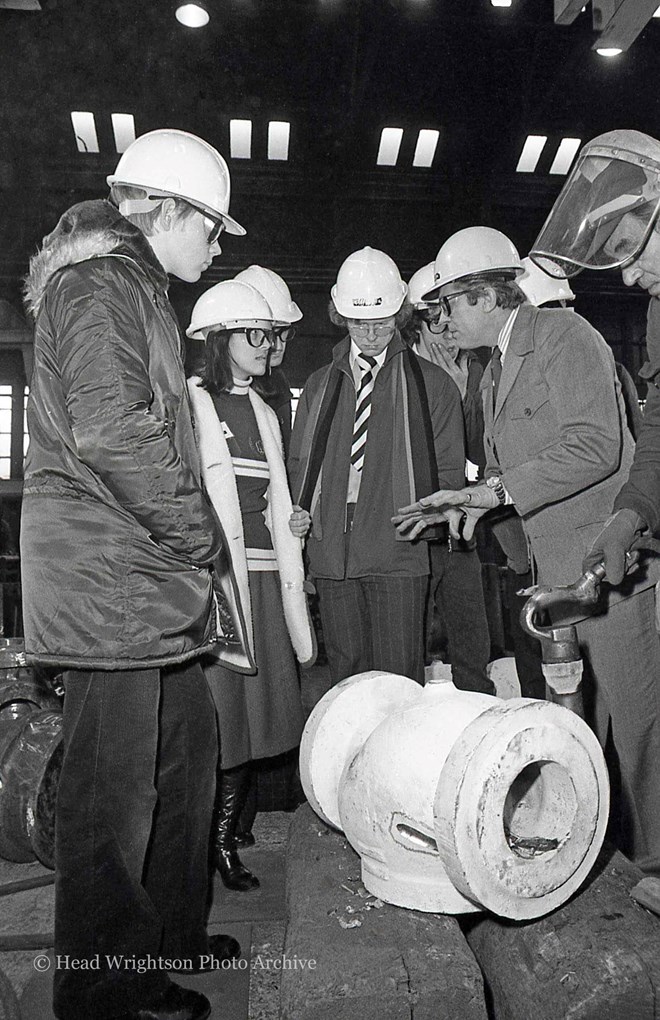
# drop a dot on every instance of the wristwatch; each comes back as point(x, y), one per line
point(497, 485)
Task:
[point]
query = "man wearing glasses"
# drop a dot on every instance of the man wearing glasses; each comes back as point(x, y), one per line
point(376, 423)
point(559, 450)
point(117, 541)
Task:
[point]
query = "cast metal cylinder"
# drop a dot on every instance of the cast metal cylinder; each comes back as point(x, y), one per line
point(457, 801)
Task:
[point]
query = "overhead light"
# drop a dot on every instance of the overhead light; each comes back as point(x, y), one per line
point(192, 15)
point(123, 126)
point(390, 143)
point(240, 139)
point(278, 139)
point(84, 128)
point(427, 142)
point(566, 152)
point(609, 51)
point(531, 154)
point(501, 3)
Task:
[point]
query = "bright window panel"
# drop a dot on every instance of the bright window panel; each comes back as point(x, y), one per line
point(531, 154)
point(278, 139)
point(566, 153)
point(427, 142)
point(123, 125)
point(390, 143)
point(240, 139)
point(84, 128)
point(5, 467)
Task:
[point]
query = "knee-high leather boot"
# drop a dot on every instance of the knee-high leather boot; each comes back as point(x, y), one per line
point(232, 788)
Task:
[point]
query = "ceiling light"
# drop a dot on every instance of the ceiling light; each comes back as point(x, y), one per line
point(123, 126)
point(240, 139)
point(390, 143)
point(192, 15)
point(501, 3)
point(531, 153)
point(84, 128)
point(425, 148)
point(278, 139)
point(609, 51)
point(566, 152)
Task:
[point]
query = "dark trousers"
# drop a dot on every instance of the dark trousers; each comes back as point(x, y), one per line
point(457, 592)
point(134, 807)
point(373, 622)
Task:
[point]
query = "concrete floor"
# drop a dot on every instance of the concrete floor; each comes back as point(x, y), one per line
point(31, 912)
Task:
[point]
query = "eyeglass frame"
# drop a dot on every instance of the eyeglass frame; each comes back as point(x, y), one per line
point(444, 309)
point(279, 330)
point(217, 228)
point(380, 329)
point(267, 337)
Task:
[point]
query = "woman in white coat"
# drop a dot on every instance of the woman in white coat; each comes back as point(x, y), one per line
point(254, 682)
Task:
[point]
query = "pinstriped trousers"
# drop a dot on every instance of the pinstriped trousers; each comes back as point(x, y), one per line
point(374, 622)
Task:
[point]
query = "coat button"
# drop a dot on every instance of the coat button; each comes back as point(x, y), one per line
point(528, 412)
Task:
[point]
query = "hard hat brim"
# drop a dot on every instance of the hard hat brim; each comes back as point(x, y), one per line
point(231, 225)
point(434, 294)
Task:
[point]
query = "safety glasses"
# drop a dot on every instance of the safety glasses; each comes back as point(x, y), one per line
point(284, 333)
point(214, 228)
point(257, 337)
point(444, 308)
point(364, 329)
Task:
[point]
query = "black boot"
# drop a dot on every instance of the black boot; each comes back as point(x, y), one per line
point(243, 836)
point(232, 784)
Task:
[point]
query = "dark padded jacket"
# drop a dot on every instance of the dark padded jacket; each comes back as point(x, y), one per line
point(116, 533)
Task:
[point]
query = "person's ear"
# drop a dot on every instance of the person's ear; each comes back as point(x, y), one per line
point(488, 299)
point(166, 217)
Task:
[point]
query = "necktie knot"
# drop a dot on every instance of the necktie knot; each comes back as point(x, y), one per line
point(366, 362)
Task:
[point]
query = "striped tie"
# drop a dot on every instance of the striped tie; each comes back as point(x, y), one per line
point(362, 410)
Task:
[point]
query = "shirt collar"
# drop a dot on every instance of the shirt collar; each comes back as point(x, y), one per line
point(506, 331)
point(355, 350)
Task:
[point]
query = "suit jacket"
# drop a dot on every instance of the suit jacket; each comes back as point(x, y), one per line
point(642, 490)
point(558, 436)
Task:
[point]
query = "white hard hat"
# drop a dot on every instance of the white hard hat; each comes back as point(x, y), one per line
point(473, 250)
point(369, 286)
point(275, 290)
point(606, 210)
point(171, 163)
point(419, 283)
point(228, 305)
point(539, 288)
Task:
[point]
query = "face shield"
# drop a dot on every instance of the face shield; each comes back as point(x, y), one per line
point(604, 214)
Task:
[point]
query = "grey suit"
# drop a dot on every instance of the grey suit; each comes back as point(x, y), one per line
point(558, 437)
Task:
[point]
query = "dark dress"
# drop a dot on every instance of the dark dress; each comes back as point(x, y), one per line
point(258, 716)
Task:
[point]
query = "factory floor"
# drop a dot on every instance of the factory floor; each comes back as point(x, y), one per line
point(257, 919)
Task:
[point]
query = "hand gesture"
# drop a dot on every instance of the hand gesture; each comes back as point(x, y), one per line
point(299, 522)
point(458, 506)
point(614, 541)
point(457, 369)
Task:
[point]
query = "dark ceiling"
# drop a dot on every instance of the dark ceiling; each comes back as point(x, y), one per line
point(339, 71)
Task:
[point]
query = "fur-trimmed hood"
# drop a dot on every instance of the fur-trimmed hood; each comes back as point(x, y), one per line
point(88, 230)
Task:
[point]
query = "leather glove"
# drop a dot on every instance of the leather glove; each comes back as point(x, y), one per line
point(614, 541)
